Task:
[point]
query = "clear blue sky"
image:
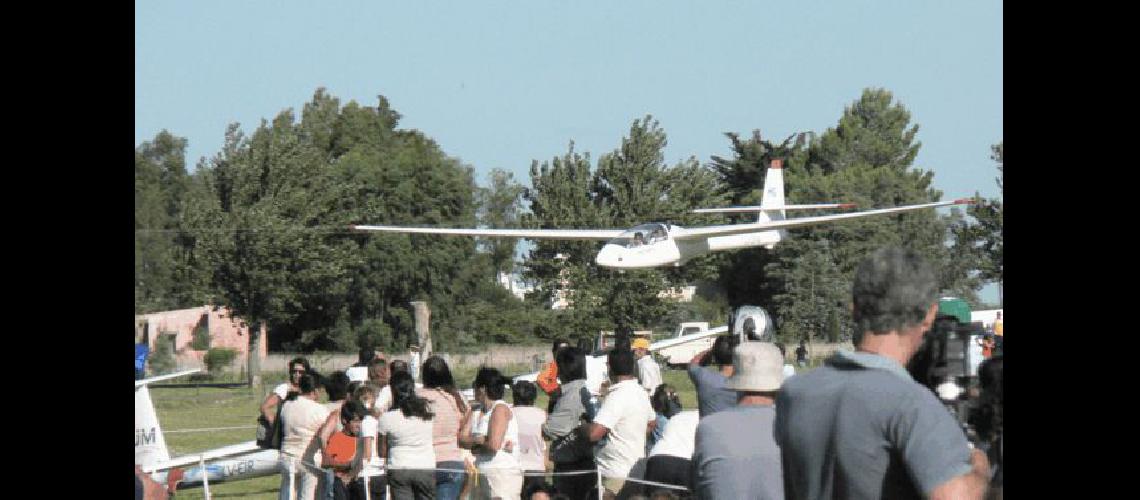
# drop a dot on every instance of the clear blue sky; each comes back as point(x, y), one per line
point(499, 84)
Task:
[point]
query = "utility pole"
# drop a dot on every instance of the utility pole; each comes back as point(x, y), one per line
point(253, 358)
point(423, 330)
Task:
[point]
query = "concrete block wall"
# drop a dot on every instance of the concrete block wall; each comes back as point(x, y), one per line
point(495, 355)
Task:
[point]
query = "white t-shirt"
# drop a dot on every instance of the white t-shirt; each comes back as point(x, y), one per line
point(383, 400)
point(626, 412)
point(409, 441)
point(974, 354)
point(649, 373)
point(370, 427)
point(680, 436)
point(303, 417)
point(597, 371)
point(532, 449)
point(282, 391)
point(357, 374)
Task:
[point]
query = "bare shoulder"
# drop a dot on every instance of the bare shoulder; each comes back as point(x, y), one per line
point(501, 411)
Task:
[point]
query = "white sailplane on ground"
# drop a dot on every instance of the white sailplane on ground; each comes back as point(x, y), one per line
point(228, 463)
point(660, 244)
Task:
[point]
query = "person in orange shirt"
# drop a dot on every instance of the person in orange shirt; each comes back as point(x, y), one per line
point(548, 378)
point(988, 345)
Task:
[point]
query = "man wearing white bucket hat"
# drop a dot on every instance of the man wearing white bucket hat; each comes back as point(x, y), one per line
point(736, 455)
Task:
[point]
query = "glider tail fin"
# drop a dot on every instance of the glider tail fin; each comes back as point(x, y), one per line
point(150, 446)
point(773, 196)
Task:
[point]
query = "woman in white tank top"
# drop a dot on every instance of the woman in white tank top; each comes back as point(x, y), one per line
point(493, 436)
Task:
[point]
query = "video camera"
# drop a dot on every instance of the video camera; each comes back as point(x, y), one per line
point(752, 324)
point(943, 364)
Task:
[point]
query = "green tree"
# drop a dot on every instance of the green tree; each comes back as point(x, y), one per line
point(866, 159)
point(983, 239)
point(200, 338)
point(162, 360)
point(742, 272)
point(288, 192)
point(218, 358)
point(499, 207)
point(561, 196)
point(273, 259)
point(631, 185)
point(160, 183)
point(813, 291)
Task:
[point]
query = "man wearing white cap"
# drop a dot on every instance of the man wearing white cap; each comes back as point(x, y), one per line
point(648, 371)
point(736, 455)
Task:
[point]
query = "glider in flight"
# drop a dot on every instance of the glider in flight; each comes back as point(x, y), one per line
point(660, 244)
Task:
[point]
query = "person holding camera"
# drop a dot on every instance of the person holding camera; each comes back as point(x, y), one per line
point(860, 426)
point(712, 395)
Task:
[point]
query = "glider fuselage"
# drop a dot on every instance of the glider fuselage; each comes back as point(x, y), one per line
point(654, 245)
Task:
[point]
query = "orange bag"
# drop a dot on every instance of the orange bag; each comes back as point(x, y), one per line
point(339, 451)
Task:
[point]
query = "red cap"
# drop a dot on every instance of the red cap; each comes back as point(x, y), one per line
point(964, 201)
point(777, 163)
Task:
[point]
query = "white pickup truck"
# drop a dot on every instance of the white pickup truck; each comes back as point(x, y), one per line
point(678, 356)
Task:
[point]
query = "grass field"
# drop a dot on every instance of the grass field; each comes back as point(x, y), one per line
point(187, 408)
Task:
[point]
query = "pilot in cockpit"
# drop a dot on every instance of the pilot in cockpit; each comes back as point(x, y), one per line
point(638, 239)
point(657, 235)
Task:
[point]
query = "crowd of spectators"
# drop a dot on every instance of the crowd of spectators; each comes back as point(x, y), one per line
point(857, 426)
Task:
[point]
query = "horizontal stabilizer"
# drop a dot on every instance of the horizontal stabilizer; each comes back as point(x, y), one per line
point(227, 451)
point(711, 332)
point(757, 208)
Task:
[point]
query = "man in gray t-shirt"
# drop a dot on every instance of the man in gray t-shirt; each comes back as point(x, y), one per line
point(712, 396)
point(860, 427)
point(736, 455)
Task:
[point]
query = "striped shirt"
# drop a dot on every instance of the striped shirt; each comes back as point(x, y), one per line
point(445, 424)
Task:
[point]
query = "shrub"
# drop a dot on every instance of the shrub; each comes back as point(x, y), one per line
point(161, 360)
point(218, 358)
point(201, 338)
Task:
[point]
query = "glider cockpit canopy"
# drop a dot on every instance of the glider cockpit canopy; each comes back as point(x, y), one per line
point(645, 234)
